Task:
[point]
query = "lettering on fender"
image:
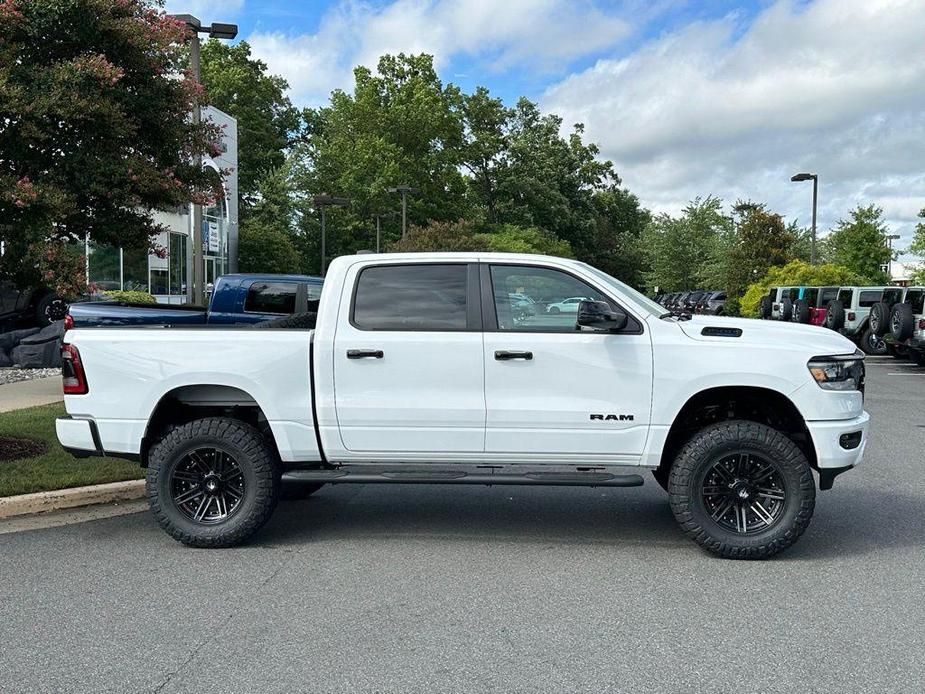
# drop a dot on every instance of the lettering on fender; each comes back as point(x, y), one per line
point(612, 417)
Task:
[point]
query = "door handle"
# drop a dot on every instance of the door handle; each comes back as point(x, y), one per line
point(505, 355)
point(364, 354)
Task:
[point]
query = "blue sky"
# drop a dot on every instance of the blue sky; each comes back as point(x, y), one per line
point(687, 98)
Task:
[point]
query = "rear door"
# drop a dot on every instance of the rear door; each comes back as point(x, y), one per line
point(408, 364)
point(554, 392)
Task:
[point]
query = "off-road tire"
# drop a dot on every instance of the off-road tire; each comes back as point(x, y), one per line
point(866, 343)
point(764, 308)
point(801, 311)
point(786, 309)
point(49, 308)
point(835, 315)
point(879, 320)
point(700, 453)
point(902, 322)
point(251, 452)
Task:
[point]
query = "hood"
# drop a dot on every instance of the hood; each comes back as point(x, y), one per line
point(767, 333)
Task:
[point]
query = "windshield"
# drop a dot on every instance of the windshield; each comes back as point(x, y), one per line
point(639, 298)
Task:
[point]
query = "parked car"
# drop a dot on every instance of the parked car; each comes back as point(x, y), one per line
point(713, 304)
point(849, 314)
point(811, 307)
point(880, 311)
point(566, 305)
point(240, 298)
point(693, 298)
point(38, 305)
point(414, 374)
point(906, 336)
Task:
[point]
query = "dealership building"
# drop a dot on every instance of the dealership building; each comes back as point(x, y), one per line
point(168, 277)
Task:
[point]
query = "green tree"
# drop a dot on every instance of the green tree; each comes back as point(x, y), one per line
point(761, 241)
point(400, 126)
point(470, 236)
point(793, 274)
point(239, 85)
point(859, 243)
point(616, 242)
point(267, 240)
point(680, 249)
point(917, 249)
point(94, 131)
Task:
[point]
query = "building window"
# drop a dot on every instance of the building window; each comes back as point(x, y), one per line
point(159, 282)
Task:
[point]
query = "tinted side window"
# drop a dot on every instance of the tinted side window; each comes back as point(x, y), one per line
point(810, 296)
point(869, 298)
point(271, 297)
point(845, 296)
point(828, 294)
point(554, 297)
point(916, 298)
point(892, 296)
point(411, 297)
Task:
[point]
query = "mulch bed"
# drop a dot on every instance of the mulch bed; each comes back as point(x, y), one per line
point(15, 449)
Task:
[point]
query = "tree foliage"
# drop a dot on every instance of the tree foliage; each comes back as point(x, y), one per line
point(859, 243)
point(267, 124)
point(267, 239)
point(679, 250)
point(917, 249)
point(94, 131)
point(796, 273)
point(761, 241)
point(470, 236)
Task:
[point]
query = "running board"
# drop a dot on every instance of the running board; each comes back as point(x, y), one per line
point(560, 479)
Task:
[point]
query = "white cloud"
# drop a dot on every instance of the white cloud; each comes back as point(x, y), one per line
point(836, 87)
point(532, 35)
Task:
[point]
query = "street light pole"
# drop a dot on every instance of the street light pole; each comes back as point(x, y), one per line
point(404, 190)
point(378, 229)
point(195, 292)
point(815, 179)
point(321, 201)
point(889, 244)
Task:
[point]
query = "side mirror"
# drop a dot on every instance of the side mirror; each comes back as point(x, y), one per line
point(600, 316)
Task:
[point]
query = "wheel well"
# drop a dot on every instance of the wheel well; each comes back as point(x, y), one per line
point(191, 402)
point(740, 402)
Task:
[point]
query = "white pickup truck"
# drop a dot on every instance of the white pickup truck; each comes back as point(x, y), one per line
point(425, 368)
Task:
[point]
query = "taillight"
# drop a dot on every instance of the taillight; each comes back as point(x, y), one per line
point(68, 322)
point(851, 315)
point(921, 323)
point(75, 380)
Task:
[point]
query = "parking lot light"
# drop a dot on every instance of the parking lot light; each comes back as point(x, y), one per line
point(815, 179)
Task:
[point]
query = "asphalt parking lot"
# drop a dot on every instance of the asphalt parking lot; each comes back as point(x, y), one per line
point(508, 589)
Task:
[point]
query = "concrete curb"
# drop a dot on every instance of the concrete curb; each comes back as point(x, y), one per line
point(41, 502)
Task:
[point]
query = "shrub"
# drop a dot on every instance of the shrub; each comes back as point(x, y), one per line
point(796, 273)
point(131, 297)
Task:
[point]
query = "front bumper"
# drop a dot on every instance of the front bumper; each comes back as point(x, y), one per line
point(830, 445)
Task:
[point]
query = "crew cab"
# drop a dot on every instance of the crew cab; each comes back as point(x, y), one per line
point(420, 370)
point(237, 298)
point(38, 305)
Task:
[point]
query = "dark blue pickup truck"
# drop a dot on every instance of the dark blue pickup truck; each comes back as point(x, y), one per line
point(242, 298)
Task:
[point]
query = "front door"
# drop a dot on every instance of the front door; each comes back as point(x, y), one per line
point(408, 366)
point(552, 389)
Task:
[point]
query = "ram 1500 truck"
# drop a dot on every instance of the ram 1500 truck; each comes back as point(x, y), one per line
point(420, 369)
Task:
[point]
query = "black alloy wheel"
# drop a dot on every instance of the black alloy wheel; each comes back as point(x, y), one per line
point(744, 493)
point(207, 486)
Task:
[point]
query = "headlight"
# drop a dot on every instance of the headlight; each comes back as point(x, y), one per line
point(843, 372)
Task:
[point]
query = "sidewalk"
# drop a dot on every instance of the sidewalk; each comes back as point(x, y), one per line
point(40, 391)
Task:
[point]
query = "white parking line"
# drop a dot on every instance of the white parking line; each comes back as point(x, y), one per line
point(906, 373)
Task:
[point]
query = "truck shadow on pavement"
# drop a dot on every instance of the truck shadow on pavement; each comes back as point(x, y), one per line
point(847, 522)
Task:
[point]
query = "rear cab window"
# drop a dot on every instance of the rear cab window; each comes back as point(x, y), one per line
point(412, 297)
point(916, 298)
point(846, 296)
point(271, 297)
